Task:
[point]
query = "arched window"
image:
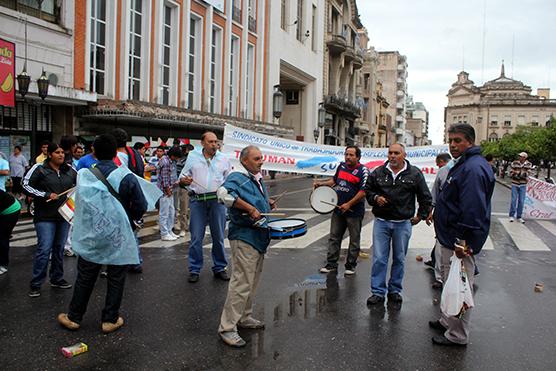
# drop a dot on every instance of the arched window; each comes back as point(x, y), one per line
point(493, 137)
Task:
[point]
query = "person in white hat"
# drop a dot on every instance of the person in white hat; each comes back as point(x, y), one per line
point(519, 172)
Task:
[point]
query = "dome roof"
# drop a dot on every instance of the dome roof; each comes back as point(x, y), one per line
point(504, 83)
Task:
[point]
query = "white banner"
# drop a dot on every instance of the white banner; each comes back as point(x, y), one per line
point(307, 158)
point(540, 201)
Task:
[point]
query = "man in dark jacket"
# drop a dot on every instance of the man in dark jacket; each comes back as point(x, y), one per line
point(462, 211)
point(135, 205)
point(391, 190)
point(127, 156)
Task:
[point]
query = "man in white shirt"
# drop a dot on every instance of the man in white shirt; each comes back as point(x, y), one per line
point(204, 172)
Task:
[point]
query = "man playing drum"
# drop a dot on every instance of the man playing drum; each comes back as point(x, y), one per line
point(246, 196)
point(349, 183)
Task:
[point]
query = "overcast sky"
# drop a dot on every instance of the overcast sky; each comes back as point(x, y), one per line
point(440, 37)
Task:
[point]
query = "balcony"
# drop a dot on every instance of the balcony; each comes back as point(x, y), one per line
point(399, 118)
point(336, 45)
point(400, 93)
point(401, 67)
point(358, 60)
point(349, 54)
point(252, 24)
point(342, 106)
point(399, 105)
point(236, 14)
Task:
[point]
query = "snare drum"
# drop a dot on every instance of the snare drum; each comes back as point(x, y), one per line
point(287, 228)
point(326, 194)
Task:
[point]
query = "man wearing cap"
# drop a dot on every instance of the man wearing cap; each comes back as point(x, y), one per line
point(519, 172)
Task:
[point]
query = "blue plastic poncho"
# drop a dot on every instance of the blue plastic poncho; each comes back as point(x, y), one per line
point(102, 232)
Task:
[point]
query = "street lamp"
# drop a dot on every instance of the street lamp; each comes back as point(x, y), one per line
point(277, 102)
point(321, 117)
point(23, 79)
point(42, 84)
point(372, 140)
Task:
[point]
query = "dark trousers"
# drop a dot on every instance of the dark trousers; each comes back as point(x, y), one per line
point(7, 224)
point(87, 274)
point(338, 226)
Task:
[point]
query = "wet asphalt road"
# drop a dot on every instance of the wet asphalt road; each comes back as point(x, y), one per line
point(313, 321)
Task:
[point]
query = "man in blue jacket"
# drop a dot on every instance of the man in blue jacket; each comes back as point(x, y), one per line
point(246, 196)
point(462, 211)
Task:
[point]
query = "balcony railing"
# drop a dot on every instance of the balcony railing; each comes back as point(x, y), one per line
point(336, 103)
point(252, 24)
point(336, 44)
point(236, 14)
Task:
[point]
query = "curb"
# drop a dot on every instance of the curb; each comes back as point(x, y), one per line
point(503, 183)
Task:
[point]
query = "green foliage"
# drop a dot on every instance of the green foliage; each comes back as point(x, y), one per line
point(538, 142)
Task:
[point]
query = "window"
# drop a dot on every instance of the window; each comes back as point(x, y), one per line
point(521, 119)
point(479, 119)
point(233, 76)
point(97, 46)
point(166, 52)
point(251, 16)
point(47, 10)
point(193, 75)
point(292, 97)
point(299, 20)
point(134, 54)
point(493, 137)
point(507, 123)
point(314, 28)
point(283, 14)
point(535, 120)
point(250, 74)
point(215, 58)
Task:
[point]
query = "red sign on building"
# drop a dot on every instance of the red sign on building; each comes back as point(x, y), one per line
point(7, 73)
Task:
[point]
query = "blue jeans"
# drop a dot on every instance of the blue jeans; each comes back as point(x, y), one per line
point(386, 234)
point(51, 238)
point(518, 197)
point(166, 215)
point(213, 214)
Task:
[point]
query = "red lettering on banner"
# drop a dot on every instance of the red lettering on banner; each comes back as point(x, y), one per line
point(538, 214)
point(237, 153)
point(273, 159)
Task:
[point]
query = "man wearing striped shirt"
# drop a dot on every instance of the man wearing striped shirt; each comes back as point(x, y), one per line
point(349, 183)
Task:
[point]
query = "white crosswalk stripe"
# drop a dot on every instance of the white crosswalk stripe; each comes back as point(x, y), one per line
point(524, 238)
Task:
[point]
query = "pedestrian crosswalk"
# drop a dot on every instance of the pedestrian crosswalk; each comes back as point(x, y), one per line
point(533, 236)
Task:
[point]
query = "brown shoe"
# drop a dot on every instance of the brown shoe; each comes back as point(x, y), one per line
point(108, 327)
point(64, 320)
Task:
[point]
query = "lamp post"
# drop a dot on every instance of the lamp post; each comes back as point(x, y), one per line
point(321, 117)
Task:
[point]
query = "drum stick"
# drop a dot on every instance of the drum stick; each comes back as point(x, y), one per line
point(200, 185)
point(63, 193)
point(331, 204)
point(280, 196)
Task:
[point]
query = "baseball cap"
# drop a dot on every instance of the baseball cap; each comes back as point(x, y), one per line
point(523, 154)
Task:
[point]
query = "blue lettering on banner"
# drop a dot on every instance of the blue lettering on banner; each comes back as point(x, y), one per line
point(249, 138)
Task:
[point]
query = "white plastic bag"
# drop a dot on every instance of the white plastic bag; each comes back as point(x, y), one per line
point(457, 291)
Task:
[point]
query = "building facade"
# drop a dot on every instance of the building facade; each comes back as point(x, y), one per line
point(498, 107)
point(343, 60)
point(295, 63)
point(43, 38)
point(392, 72)
point(417, 122)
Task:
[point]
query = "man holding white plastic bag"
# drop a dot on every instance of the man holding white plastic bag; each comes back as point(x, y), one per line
point(462, 223)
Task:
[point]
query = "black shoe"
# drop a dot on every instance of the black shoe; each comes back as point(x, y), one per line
point(429, 263)
point(193, 277)
point(103, 274)
point(395, 298)
point(62, 284)
point(436, 325)
point(441, 340)
point(375, 299)
point(437, 285)
point(222, 275)
point(34, 292)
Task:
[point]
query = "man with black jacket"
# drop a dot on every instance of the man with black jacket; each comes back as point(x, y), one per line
point(128, 156)
point(391, 190)
point(462, 216)
point(134, 202)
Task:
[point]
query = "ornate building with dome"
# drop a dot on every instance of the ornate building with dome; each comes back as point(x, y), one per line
point(498, 107)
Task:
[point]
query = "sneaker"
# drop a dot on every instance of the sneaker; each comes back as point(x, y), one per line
point(182, 234)
point(64, 320)
point(108, 327)
point(429, 263)
point(394, 297)
point(168, 237)
point(521, 220)
point(62, 284)
point(349, 272)
point(103, 274)
point(327, 269)
point(375, 299)
point(34, 292)
point(174, 235)
point(251, 323)
point(233, 339)
point(512, 219)
point(193, 277)
point(69, 252)
point(3, 270)
point(222, 275)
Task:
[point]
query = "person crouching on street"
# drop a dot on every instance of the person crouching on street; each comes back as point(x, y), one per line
point(246, 196)
point(108, 200)
point(45, 182)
